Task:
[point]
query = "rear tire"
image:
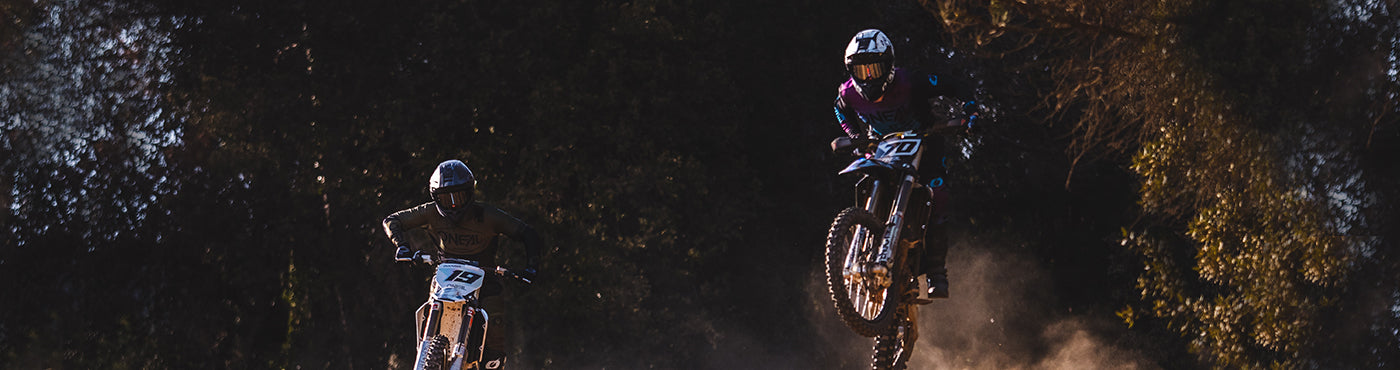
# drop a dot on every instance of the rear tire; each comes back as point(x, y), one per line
point(433, 354)
point(865, 307)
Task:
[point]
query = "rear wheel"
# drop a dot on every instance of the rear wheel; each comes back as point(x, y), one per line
point(863, 291)
point(433, 354)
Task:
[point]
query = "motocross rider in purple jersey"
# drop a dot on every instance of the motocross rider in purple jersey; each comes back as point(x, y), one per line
point(468, 230)
point(880, 99)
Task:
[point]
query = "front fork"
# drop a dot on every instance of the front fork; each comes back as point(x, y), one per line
point(880, 267)
point(466, 354)
point(895, 223)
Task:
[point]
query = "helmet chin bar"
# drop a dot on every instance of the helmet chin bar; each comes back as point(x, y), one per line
point(870, 93)
point(451, 213)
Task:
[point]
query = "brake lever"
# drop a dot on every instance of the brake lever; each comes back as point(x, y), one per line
point(424, 258)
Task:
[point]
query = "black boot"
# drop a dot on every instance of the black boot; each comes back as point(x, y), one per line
point(935, 259)
point(937, 285)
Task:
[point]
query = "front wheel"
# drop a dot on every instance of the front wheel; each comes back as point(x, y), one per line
point(891, 352)
point(861, 288)
point(432, 354)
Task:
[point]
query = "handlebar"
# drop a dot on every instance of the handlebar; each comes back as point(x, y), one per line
point(966, 125)
point(418, 257)
point(507, 273)
point(846, 142)
point(953, 126)
point(433, 260)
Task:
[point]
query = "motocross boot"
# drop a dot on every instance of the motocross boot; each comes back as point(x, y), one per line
point(935, 260)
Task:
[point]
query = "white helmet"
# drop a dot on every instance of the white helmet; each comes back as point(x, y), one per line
point(870, 62)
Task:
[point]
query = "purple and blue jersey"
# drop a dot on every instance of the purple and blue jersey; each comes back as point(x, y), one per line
point(903, 107)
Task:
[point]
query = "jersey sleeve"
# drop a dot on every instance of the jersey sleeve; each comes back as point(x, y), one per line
point(397, 223)
point(935, 86)
point(849, 120)
point(515, 229)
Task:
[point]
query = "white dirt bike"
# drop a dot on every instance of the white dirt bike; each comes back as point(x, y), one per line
point(452, 324)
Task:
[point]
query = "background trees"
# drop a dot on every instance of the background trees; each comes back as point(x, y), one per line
point(200, 185)
point(1252, 129)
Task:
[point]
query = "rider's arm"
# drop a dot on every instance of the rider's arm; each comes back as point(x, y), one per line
point(397, 223)
point(934, 86)
point(849, 120)
point(533, 244)
point(518, 230)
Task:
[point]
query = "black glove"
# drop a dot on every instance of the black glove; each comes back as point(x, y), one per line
point(403, 254)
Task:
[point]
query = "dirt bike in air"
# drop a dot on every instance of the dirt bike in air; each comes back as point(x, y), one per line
point(873, 248)
point(452, 324)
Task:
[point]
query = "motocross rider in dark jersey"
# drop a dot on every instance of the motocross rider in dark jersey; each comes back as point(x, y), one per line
point(879, 99)
point(468, 230)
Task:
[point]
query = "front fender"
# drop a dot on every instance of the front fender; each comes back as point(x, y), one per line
point(865, 165)
point(877, 169)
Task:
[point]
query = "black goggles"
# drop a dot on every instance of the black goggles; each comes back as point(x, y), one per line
point(454, 199)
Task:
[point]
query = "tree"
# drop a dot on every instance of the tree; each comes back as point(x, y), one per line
point(1257, 212)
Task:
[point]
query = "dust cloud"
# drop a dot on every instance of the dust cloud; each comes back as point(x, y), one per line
point(1001, 315)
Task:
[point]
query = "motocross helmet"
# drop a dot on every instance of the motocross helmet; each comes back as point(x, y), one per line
point(452, 187)
point(870, 62)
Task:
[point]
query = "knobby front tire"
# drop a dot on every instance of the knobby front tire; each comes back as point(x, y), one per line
point(869, 311)
point(891, 352)
point(433, 354)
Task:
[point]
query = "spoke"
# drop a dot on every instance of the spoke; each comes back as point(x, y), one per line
point(854, 247)
point(867, 298)
point(860, 301)
point(860, 297)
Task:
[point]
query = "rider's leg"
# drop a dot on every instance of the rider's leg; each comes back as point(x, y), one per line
point(936, 241)
point(931, 173)
point(495, 353)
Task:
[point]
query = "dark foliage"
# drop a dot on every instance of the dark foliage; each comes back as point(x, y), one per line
point(200, 184)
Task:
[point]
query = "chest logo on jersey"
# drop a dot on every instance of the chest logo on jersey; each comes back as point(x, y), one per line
point(887, 121)
point(887, 116)
point(459, 239)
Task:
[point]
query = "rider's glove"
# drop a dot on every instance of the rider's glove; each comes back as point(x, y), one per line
point(972, 125)
point(528, 273)
point(971, 110)
point(403, 254)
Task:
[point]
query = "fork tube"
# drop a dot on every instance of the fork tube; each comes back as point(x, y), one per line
point(464, 331)
point(434, 317)
point(871, 202)
point(853, 253)
point(896, 220)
